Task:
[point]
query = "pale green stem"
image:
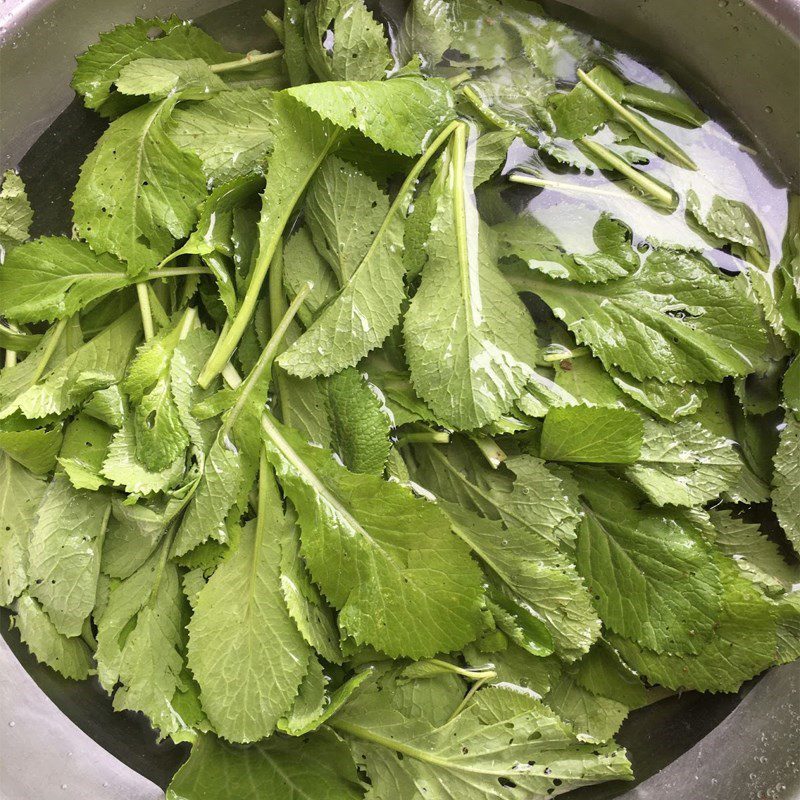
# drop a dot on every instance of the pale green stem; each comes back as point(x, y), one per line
point(645, 183)
point(530, 180)
point(10, 359)
point(469, 674)
point(653, 134)
point(267, 356)
point(493, 453)
point(147, 314)
point(231, 376)
point(467, 697)
point(553, 356)
point(175, 272)
point(49, 350)
point(251, 58)
point(427, 437)
point(457, 80)
point(187, 323)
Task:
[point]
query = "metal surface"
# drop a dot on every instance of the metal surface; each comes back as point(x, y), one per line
point(718, 747)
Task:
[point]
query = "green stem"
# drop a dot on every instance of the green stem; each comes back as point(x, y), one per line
point(645, 183)
point(49, 350)
point(175, 272)
point(427, 437)
point(10, 359)
point(469, 674)
point(467, 697)
point(457, 80)
point(253, 57)
point(530, 180)
point(187, 323)
point(493, 453)
point(147, 314)
point(227, 344)
point(275, 24)
point(231, 376)
point(554, 353)
point(652, 134)
point(267, 357)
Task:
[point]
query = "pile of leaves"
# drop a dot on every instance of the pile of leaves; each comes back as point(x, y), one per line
point(312, 441)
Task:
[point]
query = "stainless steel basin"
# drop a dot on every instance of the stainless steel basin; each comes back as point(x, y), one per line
point(60, 739)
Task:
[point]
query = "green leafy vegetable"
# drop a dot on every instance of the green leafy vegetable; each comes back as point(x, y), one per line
point(468, 338)
point(288, 463)
point(589, 434)
point(402, 581)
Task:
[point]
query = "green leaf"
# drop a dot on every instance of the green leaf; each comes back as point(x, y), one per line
point(299, 725)
point(228, 471)
point(491, 150)
point(313, 616)
point(231, 133)
point(107, 405)
point(419, 109)
point(161, 438)
point(757, 557)
point(64, 552)
point(344, 211)
point(502, 737)
point(70, 657)
point(54, 277)
point(344, 42)
point(540, 579)
point(467, 335)
point(602, 673)
point(20, 495)
point(368, 306)
point(360, 426)
point(320, 768)
point(100, 66)
point(85, 449)
point(140, 642)
point(302, 264)
point(650, 570)
point(669, 104)
point(161, 77)
point(213, 231)
point(294, 47)
point(787, 479)
point(516, 666)
point(581, 112)
point(134, 532)
point(16, 214)
point(387, 560)
point(32, 445)
point(591, 434)
point(609, 255)
point(683, 464)
point(137, 191)
point(94, 365)
point(731, 220)
point(677, 319)
point(744, 643)
point(523, 493)
point(123, 468)
point(593, 718)
point(249, 673)
point(302, 141)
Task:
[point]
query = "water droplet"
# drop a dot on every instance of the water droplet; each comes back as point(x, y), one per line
point(768, 109)
point(12, 724)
